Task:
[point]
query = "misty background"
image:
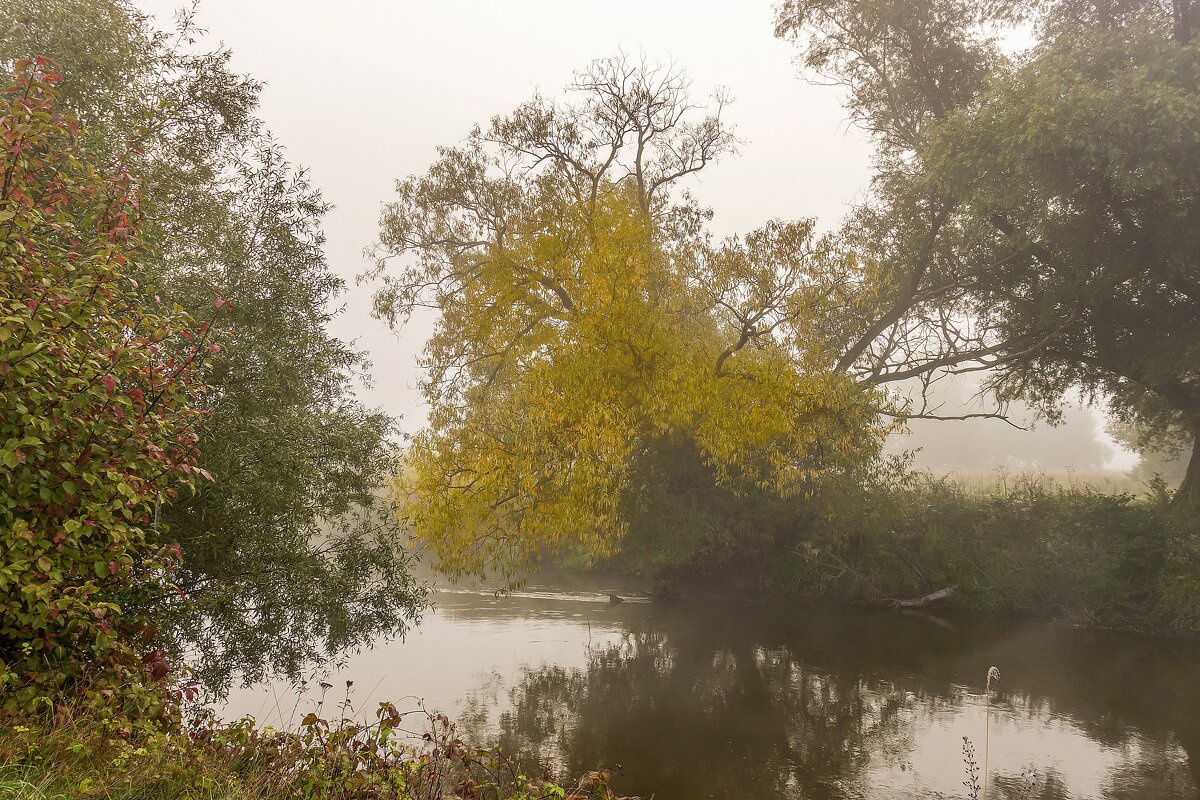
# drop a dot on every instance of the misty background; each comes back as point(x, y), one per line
point(418, 75)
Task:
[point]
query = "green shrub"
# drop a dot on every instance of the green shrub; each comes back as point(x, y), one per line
point(1029, 545)
point(79, 756)
point(97, 425)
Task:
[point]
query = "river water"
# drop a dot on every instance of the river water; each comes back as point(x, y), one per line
point(727, 700)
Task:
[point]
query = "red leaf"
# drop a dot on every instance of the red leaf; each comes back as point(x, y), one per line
point(159, 666)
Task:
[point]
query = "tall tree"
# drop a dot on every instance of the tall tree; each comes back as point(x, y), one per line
point(1055, 191)
point(290, 554)
point(585, 323)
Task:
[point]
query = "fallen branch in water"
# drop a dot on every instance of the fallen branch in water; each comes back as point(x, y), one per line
point(929, 599)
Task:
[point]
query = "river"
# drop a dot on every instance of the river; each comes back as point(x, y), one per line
point(726, 700)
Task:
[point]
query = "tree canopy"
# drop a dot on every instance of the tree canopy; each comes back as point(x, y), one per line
point(585, 319)
point(290, 553)
point(1055, 189)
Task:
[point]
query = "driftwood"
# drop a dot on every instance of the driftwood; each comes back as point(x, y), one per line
point(927, 600)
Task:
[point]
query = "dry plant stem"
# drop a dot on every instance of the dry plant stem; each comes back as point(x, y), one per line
point(993, 674)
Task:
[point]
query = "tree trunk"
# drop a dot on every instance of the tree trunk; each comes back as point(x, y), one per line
point(1188, 496)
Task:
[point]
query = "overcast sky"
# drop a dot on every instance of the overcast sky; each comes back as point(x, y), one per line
point(362, 91)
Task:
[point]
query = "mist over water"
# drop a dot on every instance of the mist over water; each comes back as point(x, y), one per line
point(721, 699)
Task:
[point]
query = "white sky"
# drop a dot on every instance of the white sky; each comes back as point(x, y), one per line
point(362, 91)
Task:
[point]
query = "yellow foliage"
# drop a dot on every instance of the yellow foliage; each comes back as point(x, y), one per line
point(584, 332)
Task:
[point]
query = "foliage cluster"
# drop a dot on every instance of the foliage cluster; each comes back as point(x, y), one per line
point(1158, 455)
point(410, 755)
point(99, 407)
point(1087, 553)
point(1073, 553)
point(586, 323)
point(103, 410)
point(1048, 195)
point(291, 554)
point(1069, 552)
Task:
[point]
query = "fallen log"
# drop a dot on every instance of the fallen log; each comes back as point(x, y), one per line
point(927, 600)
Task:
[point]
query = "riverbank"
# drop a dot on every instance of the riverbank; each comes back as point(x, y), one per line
point(1072, 552)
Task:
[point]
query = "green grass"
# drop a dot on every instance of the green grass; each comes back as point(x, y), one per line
point(21, 782)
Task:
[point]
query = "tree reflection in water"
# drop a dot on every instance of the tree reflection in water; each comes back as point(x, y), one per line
point(702, 703)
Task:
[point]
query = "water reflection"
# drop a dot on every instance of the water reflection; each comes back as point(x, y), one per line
point(749, 702)
point(720, 700)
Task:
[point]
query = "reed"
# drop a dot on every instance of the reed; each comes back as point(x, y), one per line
point(993, 674)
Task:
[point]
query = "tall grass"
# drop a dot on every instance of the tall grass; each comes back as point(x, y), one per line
point(19, 782)
point(1003, 482)
point(977, 789)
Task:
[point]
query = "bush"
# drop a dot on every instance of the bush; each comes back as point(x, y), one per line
point(1070, 552)
point(1090, 554)
point(338, 759)
point(97, 418)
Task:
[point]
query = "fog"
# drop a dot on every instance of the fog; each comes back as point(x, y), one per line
point(362, 93)
point(1021, 442)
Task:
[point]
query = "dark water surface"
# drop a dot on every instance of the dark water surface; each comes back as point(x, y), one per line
point(726, 700)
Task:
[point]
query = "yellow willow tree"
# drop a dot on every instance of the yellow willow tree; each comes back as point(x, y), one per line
point(582, 315)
